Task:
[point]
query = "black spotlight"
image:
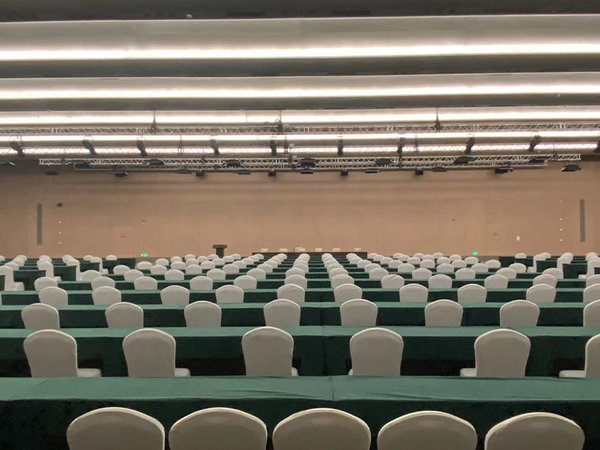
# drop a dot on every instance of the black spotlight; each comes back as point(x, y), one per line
point(87, 144)
point(419, 172)
point(371, 171)
point(470, 144)
point(272, 173)
point(200, 173)
point(234, 163)
point(439, 169)
point(17, 147)
point(344, 173)
point(535, 141)
point(306, 172)
point(51, 173)
point(121, 174)
point(462, 160)
point(81, 165)
point(215, 146)
point(382, 162)
point(538, 160)
point(571, 168)
point(183, 171)
point(502, 170)
point(155, 162)
point(308, 162)
point(243, 172)
point(142, 148)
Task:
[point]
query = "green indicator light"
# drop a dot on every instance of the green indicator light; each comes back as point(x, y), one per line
point(146, 254)
point(475, 253)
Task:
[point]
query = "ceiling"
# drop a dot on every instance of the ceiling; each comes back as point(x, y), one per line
point(35, 10)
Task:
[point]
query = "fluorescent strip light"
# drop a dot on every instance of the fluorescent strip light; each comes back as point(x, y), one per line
point(244, 150)
point(300, 38)
point(252, 117)
point(314, 87)
point(567, 146)
point(55, 151)
point(117, 151)
point(500, 147)
point(359, 150)
point(312, 150)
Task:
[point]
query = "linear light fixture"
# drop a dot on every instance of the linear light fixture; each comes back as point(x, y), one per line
point(313, 87)
point(102, 139)
point(301, 38)
point(255, 117)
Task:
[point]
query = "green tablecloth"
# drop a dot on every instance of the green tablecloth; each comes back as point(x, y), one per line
point(38, 411)
point(103, 346)
point(251, 314)
point(317, 283)
point(324, 350)
point(312, 295)
point(443, 351)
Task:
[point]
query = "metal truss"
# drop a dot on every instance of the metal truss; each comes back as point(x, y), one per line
point(271, 129)
point(316, 164)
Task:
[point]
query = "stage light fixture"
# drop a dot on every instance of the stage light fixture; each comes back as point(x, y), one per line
point(502, 170)
point(535, 141)
point(142, 148)
point(382, 162)
point(272, 173)
point(470, 144)
point(571, 168)
point(243, 172)
point(214, 146)
point(462, 160)
point(121, 174)
point(17, 147)
point(87, 144)
point(344, 173)
point(439, 169)
point(419, 172)
point(200, 173)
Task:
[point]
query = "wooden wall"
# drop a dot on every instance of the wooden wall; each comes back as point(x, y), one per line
point(167, 214)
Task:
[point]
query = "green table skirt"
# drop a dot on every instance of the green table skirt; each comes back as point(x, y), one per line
point(251, 314)
point(316, 283)
point(312, 295)
point(323, 350)
point(38, 411)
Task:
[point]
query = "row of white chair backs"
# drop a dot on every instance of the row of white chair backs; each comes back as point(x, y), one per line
point(319, 428)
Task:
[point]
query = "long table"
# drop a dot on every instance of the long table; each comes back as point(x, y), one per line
point(312, 295)
point(359, 275)
point(251, 314)
point(38, 410)
point(324, 350)
point(317, 283)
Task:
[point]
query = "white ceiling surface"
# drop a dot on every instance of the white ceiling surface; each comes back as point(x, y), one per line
point(301, 38)
point(445, 96)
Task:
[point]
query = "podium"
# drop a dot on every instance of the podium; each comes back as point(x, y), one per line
point(220, 249)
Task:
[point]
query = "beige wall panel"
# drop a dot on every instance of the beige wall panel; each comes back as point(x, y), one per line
point(164, 214)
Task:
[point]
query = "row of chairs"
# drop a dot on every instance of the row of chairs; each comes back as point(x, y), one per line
point(231, 293)
point(171, 295)
point(286, 313)
point(319, 428)
point(268, 351)
point(470, 293)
